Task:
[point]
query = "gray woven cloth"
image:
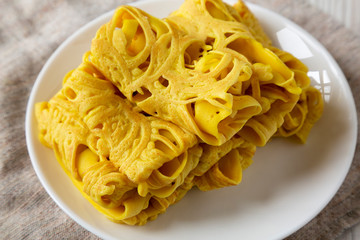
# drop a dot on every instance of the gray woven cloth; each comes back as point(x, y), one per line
point(29, 33)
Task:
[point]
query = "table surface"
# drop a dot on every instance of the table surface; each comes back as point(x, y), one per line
point(29, 33)
point(346, 12)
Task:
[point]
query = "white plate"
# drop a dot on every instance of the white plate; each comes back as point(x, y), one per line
point(287, 186)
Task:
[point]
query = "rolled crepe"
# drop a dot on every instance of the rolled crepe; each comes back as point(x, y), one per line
point(115, 152)
point(272, 83)
point(175, 66)
point(308, 109)
point(222, 166)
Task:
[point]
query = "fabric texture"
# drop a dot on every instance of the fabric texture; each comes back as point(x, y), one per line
point(30, 31)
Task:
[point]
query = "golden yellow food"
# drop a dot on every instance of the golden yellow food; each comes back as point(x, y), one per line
point(159, 106)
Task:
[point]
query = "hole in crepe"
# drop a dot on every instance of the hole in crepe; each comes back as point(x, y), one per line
point(242, 46)
point(164, 82)
point(89, 110)
point(157, 204)
point(118, 93)
point(215, 12)
point(169, 168)
point(70, 93)
point(166, 133)
point(193, 53)
point(154, 32)
point(141, 96)
point(230, 165)
point(99, 126)
point(228, 34)
point(145, 65)
point(162, 147)
point(236, 89)
point(145, 114)
point(210, 41)
point(220, 100)
point(168, 44)
point(225, 72)
point(137, 43)
point(190, 98)
point(157, 27)
point(191, 108)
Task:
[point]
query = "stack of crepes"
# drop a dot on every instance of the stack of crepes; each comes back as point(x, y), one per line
point(159, 106)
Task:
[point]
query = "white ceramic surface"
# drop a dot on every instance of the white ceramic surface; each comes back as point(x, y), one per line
point(287, 186)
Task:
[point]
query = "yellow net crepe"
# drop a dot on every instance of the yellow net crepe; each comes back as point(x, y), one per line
point(309, 107)
point(159, 106)
point(111, 148)
point(175, 67)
